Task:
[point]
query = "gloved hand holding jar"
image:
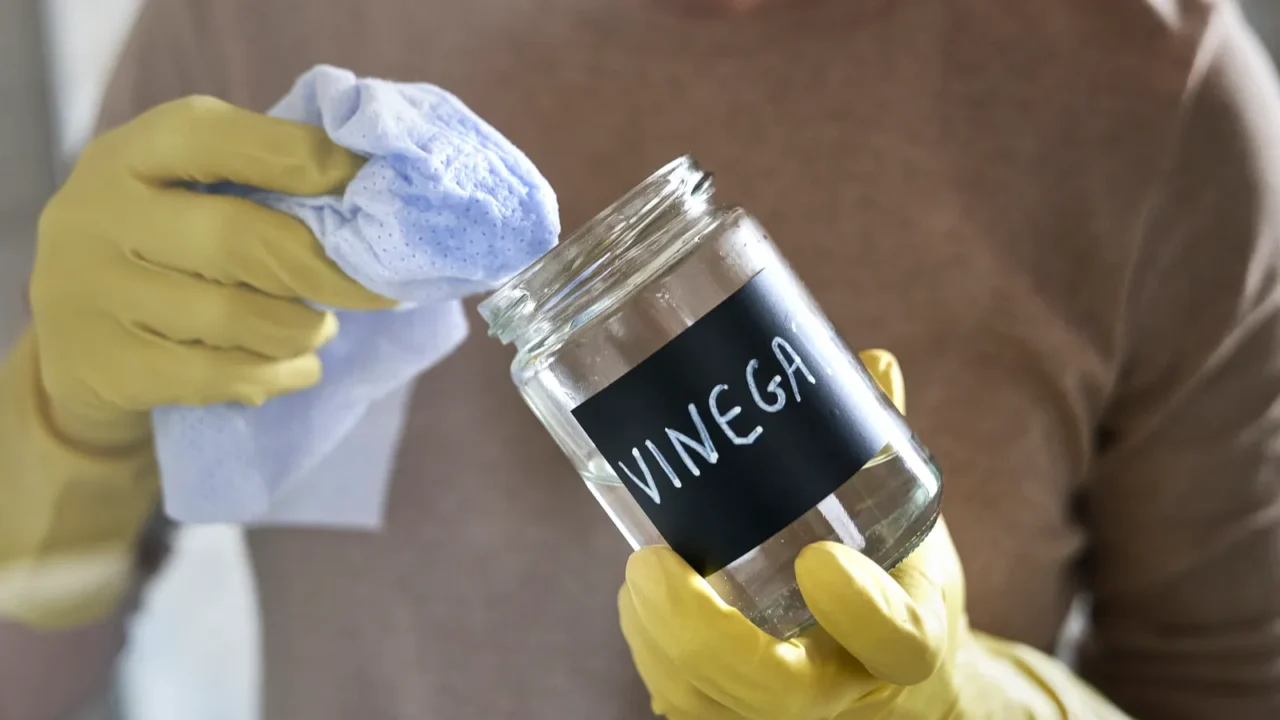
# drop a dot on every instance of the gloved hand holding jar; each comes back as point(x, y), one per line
point(709, 405)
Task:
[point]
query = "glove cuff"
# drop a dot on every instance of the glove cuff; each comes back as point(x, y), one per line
point(70, 518)
point(1039, 685)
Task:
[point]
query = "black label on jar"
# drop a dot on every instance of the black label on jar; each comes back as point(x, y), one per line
point(740, 424)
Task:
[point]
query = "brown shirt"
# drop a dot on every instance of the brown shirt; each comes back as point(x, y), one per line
point(1063, 216)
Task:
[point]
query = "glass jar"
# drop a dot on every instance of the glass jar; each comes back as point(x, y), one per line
point(706, 400)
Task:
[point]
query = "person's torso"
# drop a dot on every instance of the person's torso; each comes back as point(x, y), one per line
point(957, 182)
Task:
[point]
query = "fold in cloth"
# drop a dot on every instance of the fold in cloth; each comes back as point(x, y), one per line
point(445, 207)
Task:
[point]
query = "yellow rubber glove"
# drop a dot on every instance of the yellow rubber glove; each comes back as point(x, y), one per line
point(147, 293)
point(888, 646)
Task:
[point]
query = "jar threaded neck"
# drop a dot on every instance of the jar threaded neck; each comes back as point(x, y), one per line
point(562, 288)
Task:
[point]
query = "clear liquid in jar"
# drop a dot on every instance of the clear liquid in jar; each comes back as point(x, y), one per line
point(883, 510)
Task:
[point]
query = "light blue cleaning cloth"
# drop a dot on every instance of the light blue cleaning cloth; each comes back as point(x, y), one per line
point(445, 207)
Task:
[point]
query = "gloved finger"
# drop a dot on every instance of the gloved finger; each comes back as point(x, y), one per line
point(933, 574)
point(202, 375)
point(673, 695)
point(727, 657)
point(203, 139)
point(897, 631)
point(886, 370)
point(220, 316)
point(237, 241)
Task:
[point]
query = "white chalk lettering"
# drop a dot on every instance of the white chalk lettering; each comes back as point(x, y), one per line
point(771, 387)
point(648, 486)
point(723, 418)
point(772, 399)
point(705, 448)
point(663, 462)
point(790, 368)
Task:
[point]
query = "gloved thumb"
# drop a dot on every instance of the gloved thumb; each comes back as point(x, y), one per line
point(895, 626)
point(884, 367)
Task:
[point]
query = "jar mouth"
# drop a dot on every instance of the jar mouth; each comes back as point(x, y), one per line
point(558, 285)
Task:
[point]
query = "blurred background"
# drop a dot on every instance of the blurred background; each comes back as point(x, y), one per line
point(193, 649)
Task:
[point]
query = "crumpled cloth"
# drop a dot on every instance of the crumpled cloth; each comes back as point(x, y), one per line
point(444, 208)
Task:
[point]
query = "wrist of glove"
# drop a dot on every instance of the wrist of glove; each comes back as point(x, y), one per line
point(70, 518)
point(888, 645)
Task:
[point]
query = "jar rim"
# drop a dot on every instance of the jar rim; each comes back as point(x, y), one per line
point(543, 294)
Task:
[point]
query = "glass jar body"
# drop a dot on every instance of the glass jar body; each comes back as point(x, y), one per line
point(883, 509)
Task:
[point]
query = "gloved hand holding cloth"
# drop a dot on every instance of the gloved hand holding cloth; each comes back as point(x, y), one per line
point(190, 279)
point(146, 294)
point(889, 646)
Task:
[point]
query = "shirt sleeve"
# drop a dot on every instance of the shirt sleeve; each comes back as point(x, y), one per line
point(1183, 504)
